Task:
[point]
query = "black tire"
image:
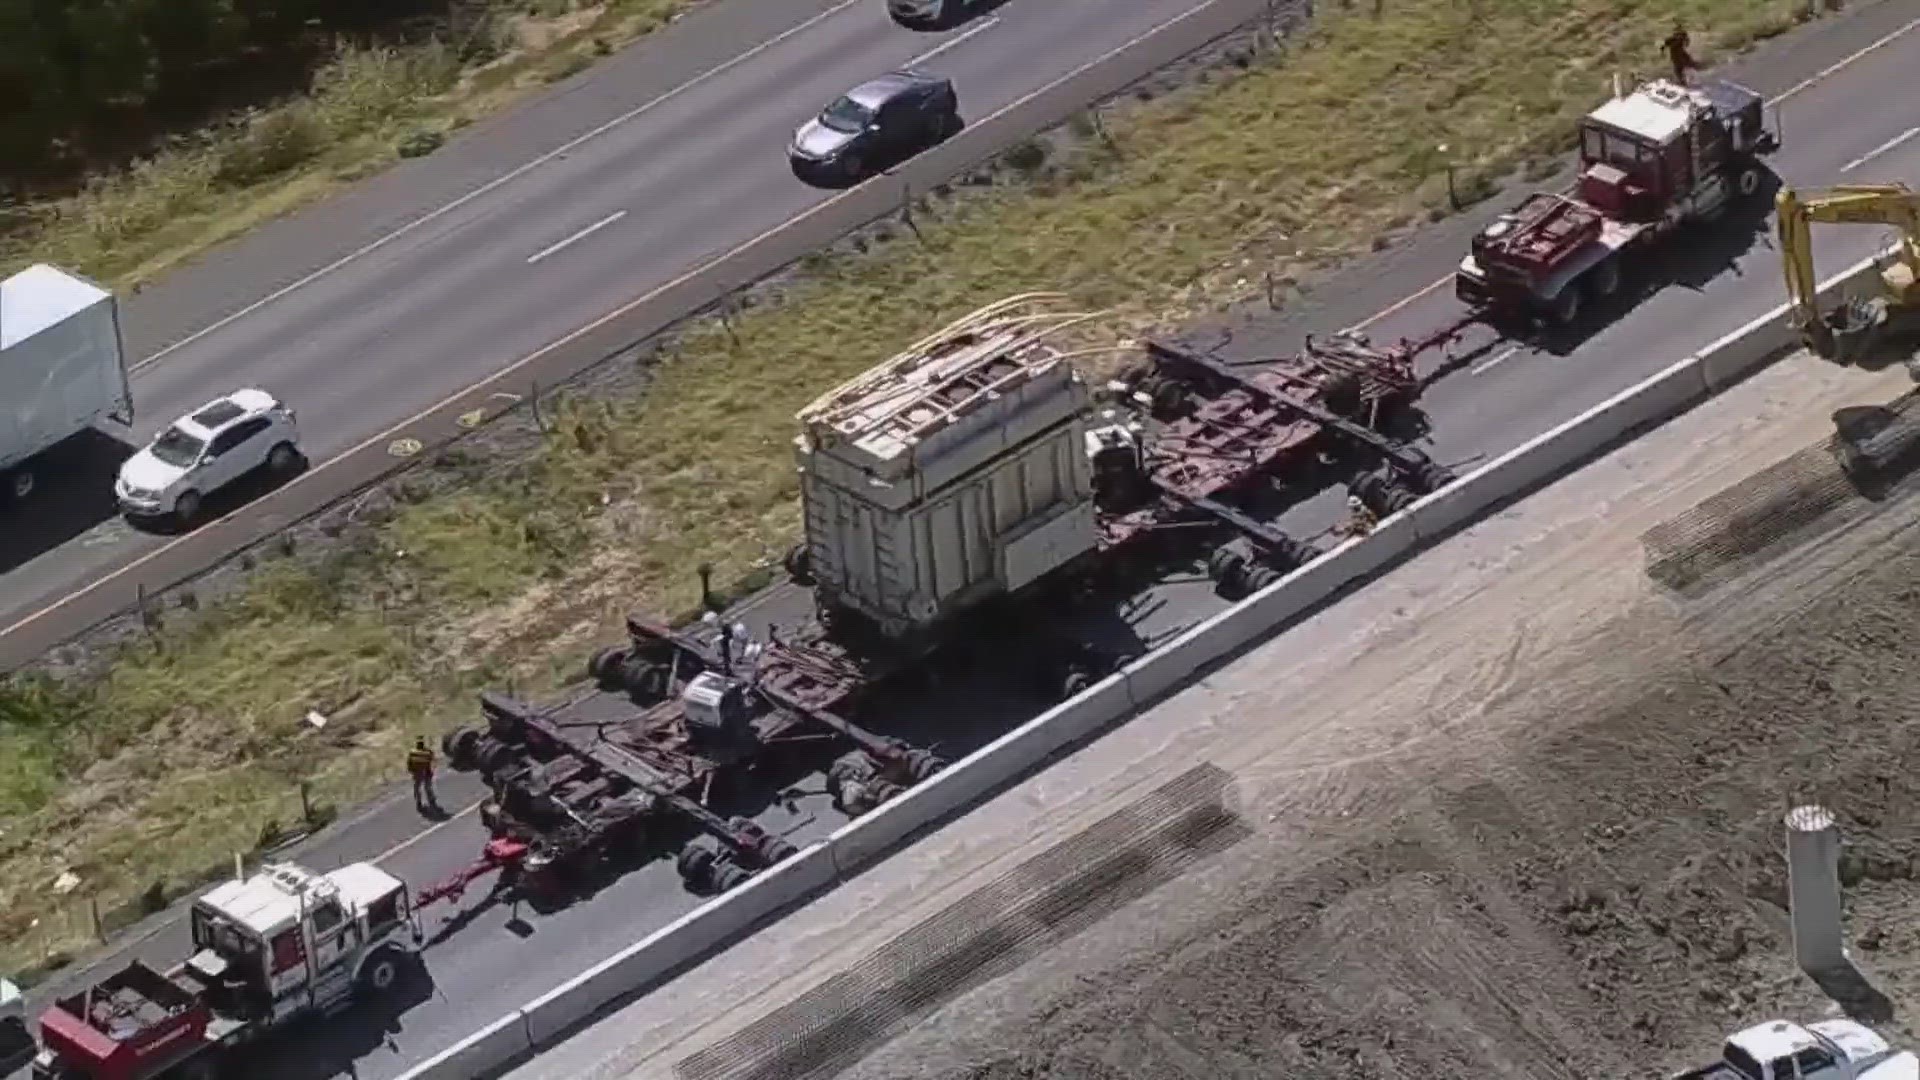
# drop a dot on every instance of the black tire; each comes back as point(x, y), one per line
point(799, 564)
point(462, 747)
point(206, 1067)
point(1223, 563)
point(1564, 309)
point(946, 126)
point(19, 484)
point(1746, 182)
point(1261, 576)
point(381, 973)
point(1075, 684)
point(853, 168)
point(1604, 280)
point(186, 508)
point(284, 459)
point(1397, 497)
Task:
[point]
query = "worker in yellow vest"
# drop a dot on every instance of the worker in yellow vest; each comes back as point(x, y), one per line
point(420, 767)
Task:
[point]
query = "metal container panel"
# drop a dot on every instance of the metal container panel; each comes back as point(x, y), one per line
point(910, 566)
point(62, 368)
point(899, 473)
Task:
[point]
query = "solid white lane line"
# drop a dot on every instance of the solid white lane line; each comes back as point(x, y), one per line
point(1881, 149)
point(507, 178)
point(1501, 357)
point(576, 237)
point(951, 42)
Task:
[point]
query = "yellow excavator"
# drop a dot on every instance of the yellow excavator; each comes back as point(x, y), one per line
point(1842, 333)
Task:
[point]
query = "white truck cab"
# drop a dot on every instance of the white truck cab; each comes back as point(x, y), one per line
point(1826, 1050)
point(287, 939)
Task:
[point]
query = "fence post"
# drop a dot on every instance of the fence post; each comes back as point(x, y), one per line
point(99, 926)
point(306, 802)
point(533, 399)
point(906, 211)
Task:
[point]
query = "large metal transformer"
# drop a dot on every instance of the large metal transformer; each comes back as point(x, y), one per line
point(951, 473)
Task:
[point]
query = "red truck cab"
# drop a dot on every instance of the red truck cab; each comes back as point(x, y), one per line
point(1650, 161)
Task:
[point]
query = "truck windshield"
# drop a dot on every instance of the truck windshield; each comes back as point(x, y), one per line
point(1629, 156)
point(847, 116)
point(211, 932)
point(1745, 1063)
point(177, 448)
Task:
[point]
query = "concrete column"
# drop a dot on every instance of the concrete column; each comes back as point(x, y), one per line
point(1813, 888)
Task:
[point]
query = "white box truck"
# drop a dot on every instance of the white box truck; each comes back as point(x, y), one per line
point(62, 368)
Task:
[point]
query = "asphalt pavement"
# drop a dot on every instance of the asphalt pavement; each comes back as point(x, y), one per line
point(1496, 400)
point(498, 270)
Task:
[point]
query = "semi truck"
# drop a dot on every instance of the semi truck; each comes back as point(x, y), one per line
point(1652, 161)
point(281, 945)
point(1825, 1050)
point(62, 368)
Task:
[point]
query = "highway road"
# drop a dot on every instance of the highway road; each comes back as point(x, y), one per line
point(1498, 401)
point(378, 324)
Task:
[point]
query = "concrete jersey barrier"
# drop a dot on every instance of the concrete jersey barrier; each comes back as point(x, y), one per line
point(861, 843)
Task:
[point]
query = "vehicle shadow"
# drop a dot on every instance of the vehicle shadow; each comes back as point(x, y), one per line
point(337, 1047)
point(74, 493)
point(254, 485)
point(1691, 259)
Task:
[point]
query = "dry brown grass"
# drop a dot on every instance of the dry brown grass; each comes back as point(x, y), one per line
point(1293, 163)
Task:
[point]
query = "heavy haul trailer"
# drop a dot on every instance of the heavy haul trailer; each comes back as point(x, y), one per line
point(1651, 161)
point(949, 495)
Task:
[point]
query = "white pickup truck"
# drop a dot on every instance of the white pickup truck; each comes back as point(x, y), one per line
point(1826, 1050)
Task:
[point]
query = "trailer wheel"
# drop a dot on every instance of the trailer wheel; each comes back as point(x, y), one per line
point(1747, 182)
point(1076, 683)
point(799, 564)
point(462, 747)
point(1604, 280)
point(492, 756)
point(729, 876)
point(922, 764)
point(1432, 476)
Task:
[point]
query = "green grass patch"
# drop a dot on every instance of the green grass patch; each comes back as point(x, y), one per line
point(1293, 162)
point(367, 108)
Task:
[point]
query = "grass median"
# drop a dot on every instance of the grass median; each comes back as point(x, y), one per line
point(369, 107)
point(1288, 160)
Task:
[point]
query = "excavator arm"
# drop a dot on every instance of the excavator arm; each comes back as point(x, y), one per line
point(1847, 204)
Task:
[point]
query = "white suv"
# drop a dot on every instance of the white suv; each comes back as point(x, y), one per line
point(200, 453)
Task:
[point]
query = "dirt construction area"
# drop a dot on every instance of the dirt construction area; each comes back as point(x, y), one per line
point(1513, 810)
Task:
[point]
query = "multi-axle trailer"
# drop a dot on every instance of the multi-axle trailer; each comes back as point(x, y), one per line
point(953, 495)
